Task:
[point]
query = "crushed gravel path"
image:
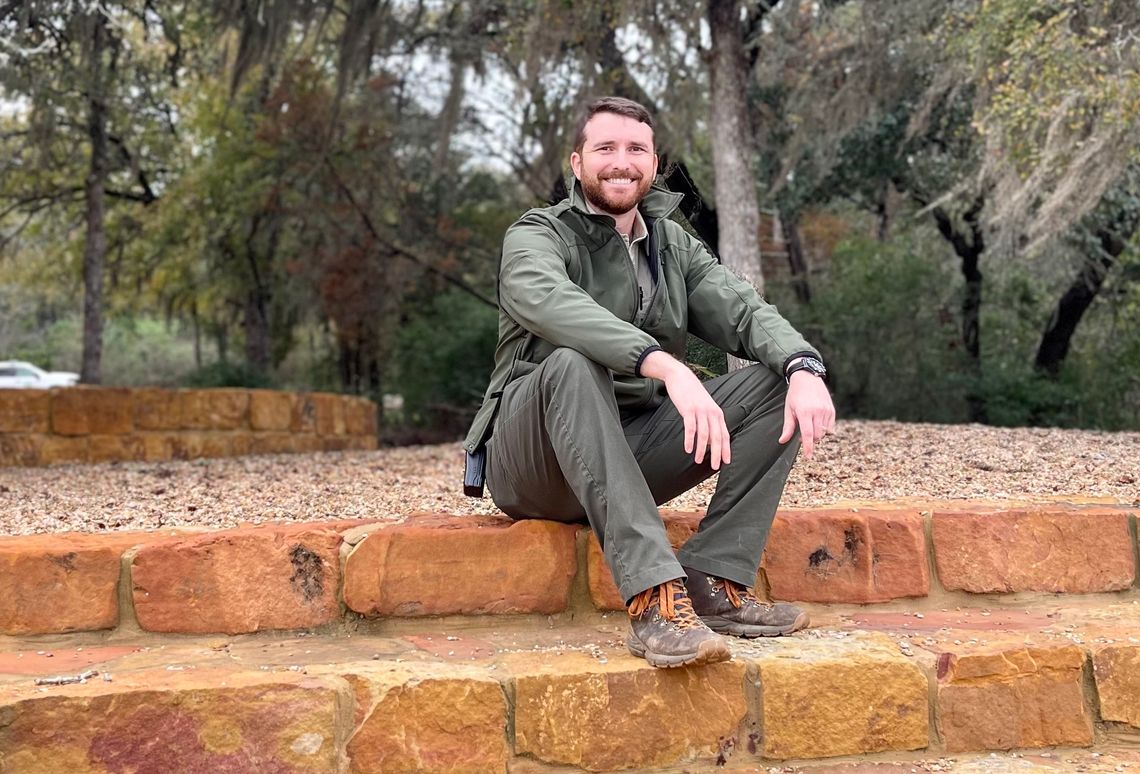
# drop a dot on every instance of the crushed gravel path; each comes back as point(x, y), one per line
point(862, 461)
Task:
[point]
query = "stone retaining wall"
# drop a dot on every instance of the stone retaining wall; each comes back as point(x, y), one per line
point(303, 575)
point(104, 424)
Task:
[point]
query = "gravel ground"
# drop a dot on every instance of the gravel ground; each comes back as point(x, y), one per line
point(862, 461)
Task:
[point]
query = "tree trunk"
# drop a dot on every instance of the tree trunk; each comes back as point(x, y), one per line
point(797, 259)
point(95, 245)
point(1058, 335)
point(969, 248)
point(738, 214)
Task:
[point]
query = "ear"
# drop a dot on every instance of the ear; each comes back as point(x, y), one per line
point(576, 164)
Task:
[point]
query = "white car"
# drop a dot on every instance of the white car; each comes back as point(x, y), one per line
point(20, 375)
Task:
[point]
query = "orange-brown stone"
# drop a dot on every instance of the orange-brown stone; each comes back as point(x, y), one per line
point(92, 411)
point(304, 414)
point(157, 409)
point(272, 443)
point(61, 583)
point(600, 716)
point(1020, 697)
point(216, 409)
point(1074, 551)
point(417, 722)
point(1117, 672)
point(62, 448)
point(846, 555)
point(461, 565)
point(330, 413)
point(164, 721)
point(360, 417)
point(115, 448)
point(25, 411)
point(25, 449)
point(679, 527)
point(270, 410)
point(241, 580)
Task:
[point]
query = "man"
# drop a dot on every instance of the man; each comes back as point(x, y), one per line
point(591, 412)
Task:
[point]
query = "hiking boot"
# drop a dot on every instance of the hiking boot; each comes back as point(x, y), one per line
point(730, 608)
point(666, 632)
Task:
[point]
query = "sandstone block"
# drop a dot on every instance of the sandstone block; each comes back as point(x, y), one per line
point(115, 448)
point(362, 443)
point(1117, 672)
point(679, 527)
point(190, 445)
point(576, 711)
point(216, 409)
point(272, 443)
point(92, 411)
point(240, 442)
point(461, 565)
point(331, 443)
point(330, 413)
point(25, 411)
point(429, 723)
point(157, 409)
point(847, 555)
point(360, 417)
point(1074, 551)
point(173, 722)
point(21, 449)
point(304, 414)
point(61, 583)
point(62, 448)
point(270, 410)
point(1021, 697)
point(241, 580)
point(824, 698)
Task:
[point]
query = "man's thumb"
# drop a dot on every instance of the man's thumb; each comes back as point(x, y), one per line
point(789, 426)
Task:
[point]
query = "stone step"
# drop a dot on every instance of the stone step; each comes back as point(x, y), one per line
point(880, 689)
point(924, 556)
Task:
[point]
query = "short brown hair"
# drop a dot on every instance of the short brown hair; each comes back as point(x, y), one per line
point(619, 105)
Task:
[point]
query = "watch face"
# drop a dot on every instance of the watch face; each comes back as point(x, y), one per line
point(815, 366)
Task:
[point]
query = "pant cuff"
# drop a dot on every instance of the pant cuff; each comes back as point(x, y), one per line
point(736, 573)
point(646, 579)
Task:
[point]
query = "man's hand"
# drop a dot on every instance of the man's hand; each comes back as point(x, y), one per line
point(704, 421)
point(809, 405)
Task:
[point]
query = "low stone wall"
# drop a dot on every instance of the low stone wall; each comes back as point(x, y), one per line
point(105, 424)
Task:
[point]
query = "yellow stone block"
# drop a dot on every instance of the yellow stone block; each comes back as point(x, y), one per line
point(828, 697)
point(25, 411)
point(452, 721)
point(1117, 672)
point(576, 710)
point(270, 410)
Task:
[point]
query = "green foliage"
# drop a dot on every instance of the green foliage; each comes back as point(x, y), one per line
point(884, 321)
point(227, 374)
point(443, 358)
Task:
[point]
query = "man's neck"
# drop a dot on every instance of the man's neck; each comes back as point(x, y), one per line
point(624, 223)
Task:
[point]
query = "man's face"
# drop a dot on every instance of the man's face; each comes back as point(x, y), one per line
point(616, 165)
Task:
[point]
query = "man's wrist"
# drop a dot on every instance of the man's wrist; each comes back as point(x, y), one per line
point(807, 364)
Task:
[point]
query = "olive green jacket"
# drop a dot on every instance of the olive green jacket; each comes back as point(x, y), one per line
point(566, 280)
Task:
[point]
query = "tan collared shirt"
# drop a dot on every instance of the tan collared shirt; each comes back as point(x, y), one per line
point(636, 242)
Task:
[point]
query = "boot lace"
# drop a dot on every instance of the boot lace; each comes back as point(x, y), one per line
point(739, 596)
point(673, 604)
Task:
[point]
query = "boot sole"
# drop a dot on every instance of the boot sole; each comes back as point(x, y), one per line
point(752, 631)
point(708, 652)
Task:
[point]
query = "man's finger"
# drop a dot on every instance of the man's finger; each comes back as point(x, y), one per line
point(807, 436)
point(715, 443)
point(789, 425)
point(702, 439)
point(726, 444)
point(690, 431)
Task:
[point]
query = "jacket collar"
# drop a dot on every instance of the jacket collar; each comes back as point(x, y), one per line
point(659, 203)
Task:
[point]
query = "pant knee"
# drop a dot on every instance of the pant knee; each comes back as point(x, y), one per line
point(565, 362)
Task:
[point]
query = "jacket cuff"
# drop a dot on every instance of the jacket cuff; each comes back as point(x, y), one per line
point(790, 358)
point(645, 354)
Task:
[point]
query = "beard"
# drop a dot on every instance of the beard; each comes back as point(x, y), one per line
point(620, 203)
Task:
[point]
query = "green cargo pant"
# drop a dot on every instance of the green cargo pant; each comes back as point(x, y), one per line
point(562, 450)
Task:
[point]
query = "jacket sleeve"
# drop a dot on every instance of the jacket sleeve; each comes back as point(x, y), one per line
point(727, 312)
point(536, 290)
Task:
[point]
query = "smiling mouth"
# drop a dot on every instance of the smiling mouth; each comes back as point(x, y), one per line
point(619, 180)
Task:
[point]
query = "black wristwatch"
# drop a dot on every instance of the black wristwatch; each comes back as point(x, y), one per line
point(812, 365)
